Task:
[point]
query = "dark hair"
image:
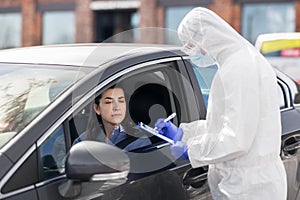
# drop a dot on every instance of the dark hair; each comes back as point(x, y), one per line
point(93, 128)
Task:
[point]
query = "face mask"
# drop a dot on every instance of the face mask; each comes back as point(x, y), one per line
point(201, 60)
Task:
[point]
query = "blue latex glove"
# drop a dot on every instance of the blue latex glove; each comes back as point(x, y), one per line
point(179, 150)
point(169, 130)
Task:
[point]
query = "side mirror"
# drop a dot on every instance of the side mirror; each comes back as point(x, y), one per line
point(93, 164)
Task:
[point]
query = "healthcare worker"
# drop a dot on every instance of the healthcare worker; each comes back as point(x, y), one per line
point(241, 136)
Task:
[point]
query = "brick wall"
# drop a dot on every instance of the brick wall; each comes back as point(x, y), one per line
point(10, 3)
point(229, 11)
point(31, 23)
point(297, 9)
point(151, 16)
point(84, 22)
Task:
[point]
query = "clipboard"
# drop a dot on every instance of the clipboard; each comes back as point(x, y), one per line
point(144, 127)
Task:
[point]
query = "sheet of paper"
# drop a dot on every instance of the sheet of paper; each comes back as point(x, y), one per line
point(143, 126)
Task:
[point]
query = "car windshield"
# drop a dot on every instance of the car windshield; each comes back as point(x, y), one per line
point(25, 91)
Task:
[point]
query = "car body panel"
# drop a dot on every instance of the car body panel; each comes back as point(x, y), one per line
point(54, 112)
point(282, 50)
point(291, 156)
point(271, 39)
point(175, 180)
point(86, 55)
point(149, 181)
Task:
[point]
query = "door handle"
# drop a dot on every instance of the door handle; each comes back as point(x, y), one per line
point(195, 177)
point(291, 145)
point(195, 182)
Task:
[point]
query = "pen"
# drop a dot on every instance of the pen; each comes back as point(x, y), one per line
point(168, 119)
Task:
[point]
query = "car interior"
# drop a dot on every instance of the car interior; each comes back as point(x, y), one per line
point(148, 97)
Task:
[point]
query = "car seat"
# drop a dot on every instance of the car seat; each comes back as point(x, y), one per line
point(149, 102)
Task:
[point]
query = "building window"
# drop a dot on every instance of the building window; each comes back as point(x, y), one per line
point(267, 18)
point(10, 31)
point(173, 17)
point(114, 25)
point(58, 27)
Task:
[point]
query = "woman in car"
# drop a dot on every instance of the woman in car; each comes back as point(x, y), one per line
point(107, 122)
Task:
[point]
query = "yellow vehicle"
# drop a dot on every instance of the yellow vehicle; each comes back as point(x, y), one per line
point(283, 52)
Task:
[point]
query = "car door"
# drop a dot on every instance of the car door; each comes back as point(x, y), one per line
point(201, 79)
point(290, 120)
point(290, 154)
point(154, 89)
point(52, 150)
point(20, 184)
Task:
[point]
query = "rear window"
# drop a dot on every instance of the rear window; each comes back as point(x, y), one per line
point(25, 91)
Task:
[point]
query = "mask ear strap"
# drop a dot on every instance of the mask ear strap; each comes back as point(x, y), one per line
point(190, 47)
point(203, 51)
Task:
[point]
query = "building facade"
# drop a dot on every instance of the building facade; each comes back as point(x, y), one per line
point(42, 22)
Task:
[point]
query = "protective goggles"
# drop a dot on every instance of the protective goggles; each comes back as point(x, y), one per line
point(190, 47)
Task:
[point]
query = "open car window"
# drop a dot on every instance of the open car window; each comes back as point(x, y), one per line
point(152, 93)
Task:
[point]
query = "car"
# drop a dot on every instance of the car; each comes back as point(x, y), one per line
point(46, 96)
point(283, 51)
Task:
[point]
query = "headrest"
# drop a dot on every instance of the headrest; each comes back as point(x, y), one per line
point(149, 102)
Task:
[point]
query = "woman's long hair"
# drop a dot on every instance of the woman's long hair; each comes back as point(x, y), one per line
point(94, 122)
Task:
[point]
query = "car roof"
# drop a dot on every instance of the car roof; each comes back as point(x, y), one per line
point(91, 55)
point(275, 36)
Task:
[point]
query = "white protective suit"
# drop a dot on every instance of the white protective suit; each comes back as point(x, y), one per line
point(241, 137)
